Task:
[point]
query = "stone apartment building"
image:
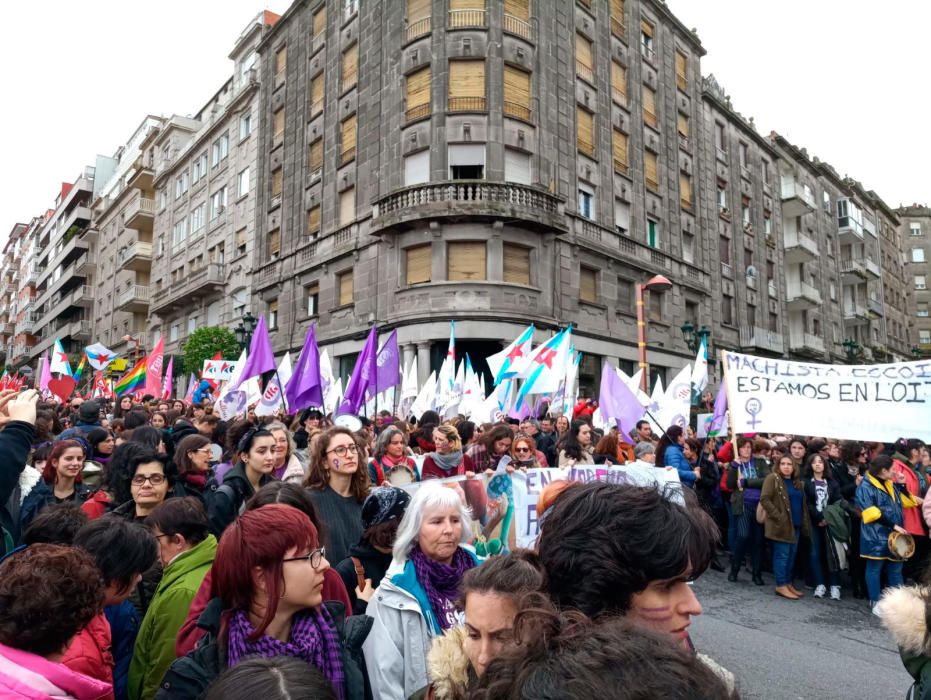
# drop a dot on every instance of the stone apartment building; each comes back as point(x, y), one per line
point(914, 231)
point(205, 182)
point(894, 297)
point(19, 274)
point(423, 161)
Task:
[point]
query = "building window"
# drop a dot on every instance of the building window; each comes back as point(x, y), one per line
point(626, 298)
point(221, 149)
point(918, 255)
point(618, 83)
point(174, 330)
point(465, 260)
point(832, 289)
point(914, 229)
point(347, 140)
point(312, 296)
point(179, 232)
point(281, 64)
point(620, 147)
point(920, 282)
point(586, 202)
point(655, 308)
point(682, 81)
point(191, 324)
point(922, 310)
point(313, 221)
point(924, 336)
point(277, 184)
point(517, 93)
point(583, 58)
point(467, 86)
point(682, 128)
point(347, 207)
point(743, 155)
point(585, 134)
point(685, 190)
point(274, 243)
point(724, 250)
point(650, 168)
point(621, 216)
point(767, 223)
point(417, 168)
point(720, 138)
point(198, 218)
point(516, 264)
point(745, 211)
point(350, 7)
point(722, 196)
point(349, 68)
point(319, 22)
point(272, 311)
point(646, 40)
point(242, 184)
point(217, 204)
point(764, 168)
point(245, 125)
point(316, 158)
point(517, 17)
point(316, 94)
point(344, 288)
point(418, 263)
point(417, 105)
point(649, 106)
point(652, 233)
point(466, 161)
point(516, 166)
point(825, 200)
point(278, 127)
point(199, 169)
point(727, 310)
point(162, 200)
point(241, 242)
point(588, 284)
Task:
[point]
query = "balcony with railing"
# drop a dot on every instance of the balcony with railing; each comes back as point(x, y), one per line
point(417, 112)
point(79, 330)
point(801, 295)
point(875, 307)
point(136, 256)
point(140, 213)
point(756, 338)
point(209, 279)
point(797, 198)
point(852, 271)
point(584, 71)
point(517, 110)
point(418, 28)
point(136, 298)
point(806, 343)
point(855, 313)
point(517, 27)
point(467, 104)
point(466, 19)
point(469, 200)
point(800, 248)
point(618, 28)
point(872, 268)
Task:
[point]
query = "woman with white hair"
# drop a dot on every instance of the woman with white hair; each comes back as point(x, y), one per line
point(416, 599)
point(287, 466)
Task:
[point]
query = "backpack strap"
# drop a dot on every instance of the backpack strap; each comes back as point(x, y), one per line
point(360, 572)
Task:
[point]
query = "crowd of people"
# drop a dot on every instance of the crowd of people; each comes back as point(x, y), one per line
point(152, 550)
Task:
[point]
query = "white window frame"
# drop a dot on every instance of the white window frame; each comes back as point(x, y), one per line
point(242, 183)
point(918, 255)
point(245, 125)
point(586, 202)
point(914, 229)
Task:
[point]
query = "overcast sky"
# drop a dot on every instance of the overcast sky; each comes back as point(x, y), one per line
point(841, 78)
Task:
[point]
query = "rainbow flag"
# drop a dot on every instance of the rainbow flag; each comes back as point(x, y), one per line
point(134, 379)
point(80, 370)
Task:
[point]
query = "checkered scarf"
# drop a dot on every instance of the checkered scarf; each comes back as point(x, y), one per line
point(313, 639)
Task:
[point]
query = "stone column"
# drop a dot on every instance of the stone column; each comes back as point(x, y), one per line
point(423, 362)
point(407, 355)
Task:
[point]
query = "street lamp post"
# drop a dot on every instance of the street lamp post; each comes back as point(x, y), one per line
point(694, 336)
point(131, 339)
point(244, 331)
point(853, 349)
point(657, 283)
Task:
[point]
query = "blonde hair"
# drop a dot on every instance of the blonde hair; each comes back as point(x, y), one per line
point(451, 434)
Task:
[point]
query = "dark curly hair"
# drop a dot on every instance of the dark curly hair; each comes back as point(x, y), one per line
point(318, 475)
point(567, 655)
point(48, 593)
point(57, 523)
point(601, 543)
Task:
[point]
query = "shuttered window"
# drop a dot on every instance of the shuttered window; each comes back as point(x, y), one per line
point(583, 58)
point(518, 8)
point(646, 28)
point(516, 93)
point(241, 240)
point(313, 222)
point(418, 94)
point(588, 284)
point(281, 60)
point(316, 94)
point(349, 74)
point(682, 81)
point(585, 125)
point(649, 106)
point(466, 13)
point(682, 125)
point(347, 206)
point(278, 127)
point(516, 264)
point(617, 18)
point(650, 168)
point(618, 83)
point(418, 261)
point(418, 9)
point(685, 190)
point(465, 260)
point(344, 288)
point(347, 140)
point(320, 21)
point(517, 18)
point(316, 157)
point(466, 86)
point(619, 148)
point(277, 181)
point(274, 243)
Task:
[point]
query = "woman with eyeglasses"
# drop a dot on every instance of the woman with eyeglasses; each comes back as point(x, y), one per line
point(268, 578)
point(61, 481)
point(192, 460)
point(339, 484)
point(257, 455)
point(524, 453)
point(186, 550)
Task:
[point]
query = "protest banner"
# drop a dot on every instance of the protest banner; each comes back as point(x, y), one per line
point(880, 403)
point(703, 424)
point(218, 370)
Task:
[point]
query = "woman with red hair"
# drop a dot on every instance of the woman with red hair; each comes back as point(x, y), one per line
point(268, 583)
point(61, 481)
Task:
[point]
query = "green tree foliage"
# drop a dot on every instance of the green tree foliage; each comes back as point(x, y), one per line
point(204, 343)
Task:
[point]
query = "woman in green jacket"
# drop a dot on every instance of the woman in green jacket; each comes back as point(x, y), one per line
point(187, 550)
point(783, 500)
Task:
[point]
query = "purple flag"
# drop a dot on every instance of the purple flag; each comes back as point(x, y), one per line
point(720, 411)
point(617, 401)
point(388, 363)
point(306, 387)
point(363, 377)
point(261, 358)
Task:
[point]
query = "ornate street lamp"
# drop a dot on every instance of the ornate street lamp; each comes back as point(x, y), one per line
point(854, 351)
point(693, 336)
point(657, 283)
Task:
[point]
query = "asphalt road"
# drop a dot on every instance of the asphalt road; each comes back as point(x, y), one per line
point(782, 649)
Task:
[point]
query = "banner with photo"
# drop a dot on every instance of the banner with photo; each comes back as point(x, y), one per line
point(880, 403)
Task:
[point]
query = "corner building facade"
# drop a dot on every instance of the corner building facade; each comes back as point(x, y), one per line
point(496, 163)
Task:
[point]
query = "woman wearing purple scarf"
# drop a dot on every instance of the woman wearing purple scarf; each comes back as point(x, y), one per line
point(268, 575)
point(416, 600)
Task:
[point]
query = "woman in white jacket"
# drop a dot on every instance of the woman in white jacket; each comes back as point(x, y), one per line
point(416, 600)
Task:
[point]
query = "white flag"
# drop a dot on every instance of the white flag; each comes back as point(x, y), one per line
point(273, 399)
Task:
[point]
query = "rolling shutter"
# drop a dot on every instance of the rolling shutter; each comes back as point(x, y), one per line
point(681, 79)
point(349, 74)
point(277, 181)
point(682, 125)
point(646, 28)
point(619, 148)
point(465, 260)
point(516, 264)
point(618, 81)
point(345, 288)
point(649, 106)
point(466, 79)
point(518, 8)
point(617, 10)
point(347, 206)
point(419, 263)
point(278, 128)
point(313, 221)
point(685, 190)
point(585, 124)
point(316, 94)
point(274, 242)
point(516, 166)
point(281, 60)
point(418, 9)
point(320, 21)
point(588, 279)
point(347, 140)
point(583, 51)
point(466, 5)
point(418, 93)
point(516, 92)
point(650, 168)
point(316, 156)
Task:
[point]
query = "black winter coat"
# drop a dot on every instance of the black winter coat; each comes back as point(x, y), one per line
point(188, 677)
point(15, 443)
point(811, 498)
point(225, 501)
point(43, 495)
point(374, 563)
